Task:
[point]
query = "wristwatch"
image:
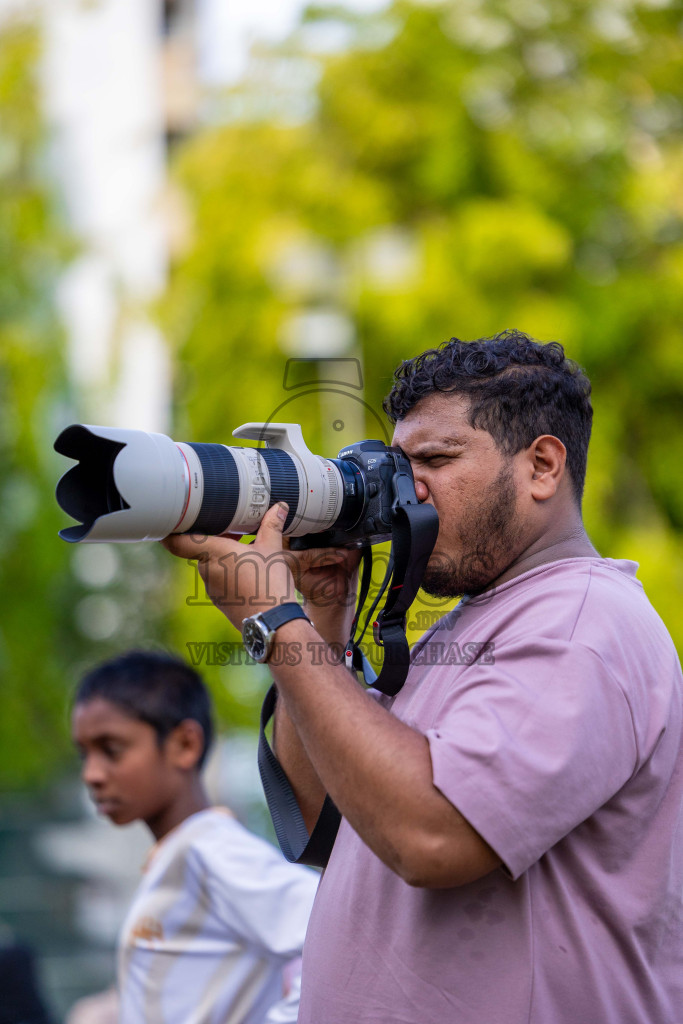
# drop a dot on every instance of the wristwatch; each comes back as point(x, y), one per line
point(258, 631)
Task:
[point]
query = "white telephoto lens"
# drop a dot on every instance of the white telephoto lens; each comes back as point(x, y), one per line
point(130, 485)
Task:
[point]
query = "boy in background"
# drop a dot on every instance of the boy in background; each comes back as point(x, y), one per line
point(219, 913)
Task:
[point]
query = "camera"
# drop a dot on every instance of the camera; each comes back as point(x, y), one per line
point(131, 485)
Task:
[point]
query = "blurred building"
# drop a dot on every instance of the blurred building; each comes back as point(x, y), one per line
point(180, 72)
point(118, 84)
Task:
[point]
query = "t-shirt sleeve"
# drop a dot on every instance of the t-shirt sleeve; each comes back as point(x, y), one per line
point(260, 896)
point(528, 748)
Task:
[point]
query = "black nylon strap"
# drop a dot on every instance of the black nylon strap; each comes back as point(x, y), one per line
point(414, 530)
point(296, 844)
point(366, 579)
point(354, 652)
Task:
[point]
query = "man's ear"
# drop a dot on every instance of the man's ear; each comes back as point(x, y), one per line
point(547, 457)
point(185, 744)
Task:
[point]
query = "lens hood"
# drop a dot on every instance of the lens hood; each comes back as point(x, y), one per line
point(128, 484)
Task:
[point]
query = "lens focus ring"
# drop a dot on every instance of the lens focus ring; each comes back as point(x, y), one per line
point(284, 480)
point(221, 489)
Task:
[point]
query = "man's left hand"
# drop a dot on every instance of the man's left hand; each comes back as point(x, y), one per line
point(241, 579)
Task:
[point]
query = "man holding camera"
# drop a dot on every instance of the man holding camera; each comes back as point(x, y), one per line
point(511, 849)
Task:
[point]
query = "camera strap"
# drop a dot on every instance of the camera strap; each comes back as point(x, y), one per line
point(414, 531)
point(413, 535)
point(290, 828)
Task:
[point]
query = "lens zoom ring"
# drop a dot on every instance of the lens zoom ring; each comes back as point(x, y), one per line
point(221, 489)
point(284, 480)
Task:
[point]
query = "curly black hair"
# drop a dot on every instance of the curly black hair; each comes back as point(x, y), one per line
point(153, 687)
point(518, 389)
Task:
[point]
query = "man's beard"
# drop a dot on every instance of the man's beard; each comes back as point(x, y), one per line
point(488, 537)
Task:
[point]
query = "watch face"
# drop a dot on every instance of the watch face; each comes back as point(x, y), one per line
point(254, 638)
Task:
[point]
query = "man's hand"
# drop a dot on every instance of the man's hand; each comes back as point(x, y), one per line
point(328, 580)
point(242, 579)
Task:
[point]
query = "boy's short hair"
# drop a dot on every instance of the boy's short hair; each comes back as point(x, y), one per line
point(159, 689)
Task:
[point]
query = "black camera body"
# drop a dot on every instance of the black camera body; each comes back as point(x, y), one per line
point(376, 478)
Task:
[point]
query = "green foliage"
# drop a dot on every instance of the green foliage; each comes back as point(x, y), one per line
point(37, 642)
point(521, 164)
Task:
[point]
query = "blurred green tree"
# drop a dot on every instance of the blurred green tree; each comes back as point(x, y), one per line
point(453, 168)
point(38, 643)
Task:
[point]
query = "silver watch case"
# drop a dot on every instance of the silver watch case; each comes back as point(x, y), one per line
point(257, 638)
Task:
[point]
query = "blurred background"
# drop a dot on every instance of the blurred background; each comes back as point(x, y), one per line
point(214, 212)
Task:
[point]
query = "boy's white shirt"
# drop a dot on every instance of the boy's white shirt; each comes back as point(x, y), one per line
point(217, 916)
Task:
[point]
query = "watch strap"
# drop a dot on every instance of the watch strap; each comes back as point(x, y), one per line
point(276, 617)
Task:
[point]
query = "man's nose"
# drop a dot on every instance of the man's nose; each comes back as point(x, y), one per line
point(421, 490)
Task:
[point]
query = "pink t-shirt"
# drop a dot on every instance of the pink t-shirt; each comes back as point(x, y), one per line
point(561, 744)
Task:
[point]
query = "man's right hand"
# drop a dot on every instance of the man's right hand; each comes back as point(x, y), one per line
point(327, 578)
